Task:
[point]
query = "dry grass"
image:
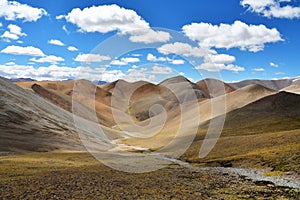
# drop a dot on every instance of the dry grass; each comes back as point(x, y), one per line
point(80, 176)
point(279, 151)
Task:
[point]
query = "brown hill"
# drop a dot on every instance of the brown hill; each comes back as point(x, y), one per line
point(184, 89)
point(88, 94)
point(215, 87)
point(29, 122)
point(209, 108)
point(272, 84)
point(264, 133)
point(292, 88)
point(231, 101)
point(277, 112)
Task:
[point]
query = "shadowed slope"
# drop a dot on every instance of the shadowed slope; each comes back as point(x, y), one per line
point(278, 112)
point(28, 122)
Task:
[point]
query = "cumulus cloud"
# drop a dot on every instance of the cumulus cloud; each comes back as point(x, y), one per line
point(240, 35)
point(272, 8)
point(125, 61)
point(273, 64)
point(14, 32)
point(89, 58)
point(153, 58)
point(150, 36)
point(137, 74)
point(118, 62)
point(220, 58)
point(56, 42)
point(177, 62)
point(72, 48)
point(108, 18)
point(12, 10)
point(10, 63)
point(130, 60)
point(218, 62)
point(18, 50)
point(161, 70)
point(183, 49)
point(48, 59)
point(258, 69)
point(218, 67)
point(55, 72)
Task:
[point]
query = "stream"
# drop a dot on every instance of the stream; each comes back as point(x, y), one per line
point(253, 174)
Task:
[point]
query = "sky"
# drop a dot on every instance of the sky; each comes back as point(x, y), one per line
point(150, 40)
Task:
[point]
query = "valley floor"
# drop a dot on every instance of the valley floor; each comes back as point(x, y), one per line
point(79, 176)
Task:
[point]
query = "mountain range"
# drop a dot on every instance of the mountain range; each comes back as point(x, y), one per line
point(39, 116)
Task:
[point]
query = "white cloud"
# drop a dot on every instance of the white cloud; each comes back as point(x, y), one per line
point(151, 36)
point(54, 72)
point(279, 73)
point(177, 62)
point(130, 60)
point(221, 58)
point(60, 17)
point(118, 62)
point(64, 28)
point(88, 58)
point(272, 8)
point(259, 69)
point(14, 33)
point(108, 18)
point(12, 10)
point(125, 61)
point(161, 70)
point(48, 59)
point(218, 62)
point(246, 37)
point(1, 24)
point(184, 49)
point(72, 48)
point(273, 64)
point(10, 63)
point(137, 74)
point(153, 58)
point(18, 50)
point(219, 67)
point(56, 42)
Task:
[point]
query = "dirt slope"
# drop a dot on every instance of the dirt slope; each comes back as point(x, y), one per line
point(215, 87)
point(29, 122)
point(292, 88)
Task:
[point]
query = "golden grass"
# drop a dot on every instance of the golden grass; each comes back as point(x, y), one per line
point(279, 151)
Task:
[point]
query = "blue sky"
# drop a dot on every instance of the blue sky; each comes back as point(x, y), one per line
point(150, 40)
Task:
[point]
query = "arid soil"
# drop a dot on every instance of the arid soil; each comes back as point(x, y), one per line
point(79, 176)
